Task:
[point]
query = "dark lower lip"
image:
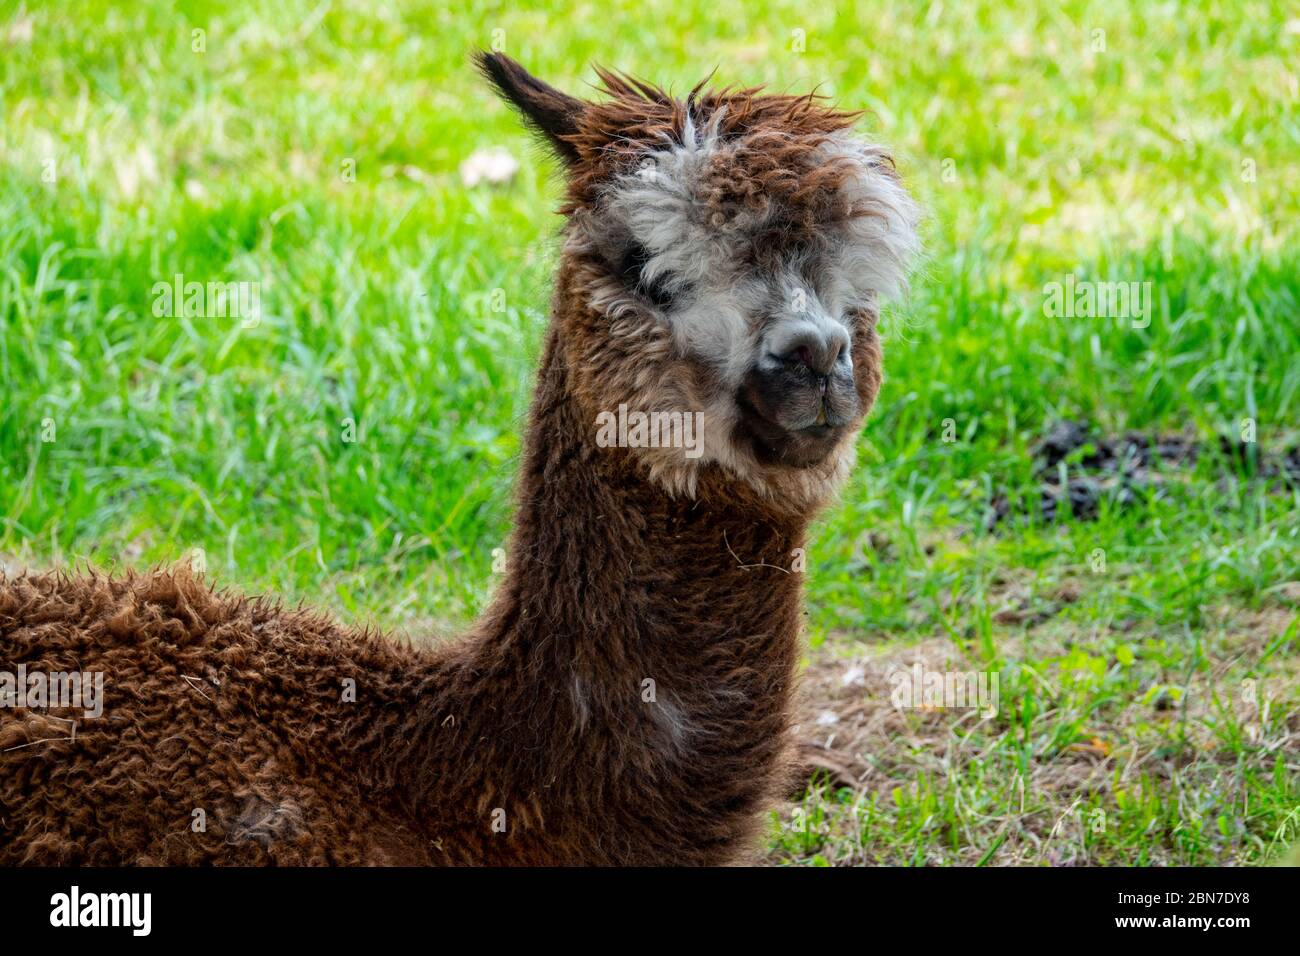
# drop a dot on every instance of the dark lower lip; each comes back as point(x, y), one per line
point(774, 444)
point(765, 399)
point(816, 431)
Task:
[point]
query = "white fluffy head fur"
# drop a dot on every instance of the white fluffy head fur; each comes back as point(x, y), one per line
point(726, 255)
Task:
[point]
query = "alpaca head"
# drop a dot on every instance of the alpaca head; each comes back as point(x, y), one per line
point(725, 258)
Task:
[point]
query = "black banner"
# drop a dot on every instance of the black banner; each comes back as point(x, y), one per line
point(214, 906)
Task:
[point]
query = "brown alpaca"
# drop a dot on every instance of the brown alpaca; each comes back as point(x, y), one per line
point(626, 697)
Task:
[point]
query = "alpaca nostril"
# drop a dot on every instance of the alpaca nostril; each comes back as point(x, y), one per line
point(818, 355)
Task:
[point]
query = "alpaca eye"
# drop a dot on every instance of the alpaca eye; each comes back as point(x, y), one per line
point(632, 268)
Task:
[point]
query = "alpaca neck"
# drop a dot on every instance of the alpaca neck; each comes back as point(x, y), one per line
point(605, 562)
point(640, 644)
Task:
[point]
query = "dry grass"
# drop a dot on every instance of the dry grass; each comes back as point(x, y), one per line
point(1141, 739)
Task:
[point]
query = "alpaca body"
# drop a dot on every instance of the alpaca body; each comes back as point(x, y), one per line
point(211, 747)
point(625, 698)
point(535, 739)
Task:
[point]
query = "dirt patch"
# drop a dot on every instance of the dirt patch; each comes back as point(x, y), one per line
point(1077, 468)
point(1162, 725)
point(850, 730)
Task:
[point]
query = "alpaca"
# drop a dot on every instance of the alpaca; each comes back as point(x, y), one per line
point(626, 696)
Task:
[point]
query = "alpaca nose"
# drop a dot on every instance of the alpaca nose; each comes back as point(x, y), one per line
point(817, 351)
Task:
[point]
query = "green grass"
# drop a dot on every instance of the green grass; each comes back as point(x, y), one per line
point(1171, 156)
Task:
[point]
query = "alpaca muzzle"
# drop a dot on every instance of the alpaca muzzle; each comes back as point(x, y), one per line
point(793, 413)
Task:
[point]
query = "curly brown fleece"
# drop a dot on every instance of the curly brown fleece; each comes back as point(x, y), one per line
point(538, 721)
point(624, 700)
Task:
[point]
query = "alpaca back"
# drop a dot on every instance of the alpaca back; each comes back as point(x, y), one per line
point(226, 725)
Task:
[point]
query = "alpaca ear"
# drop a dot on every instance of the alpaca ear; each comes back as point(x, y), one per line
point(546, 110)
